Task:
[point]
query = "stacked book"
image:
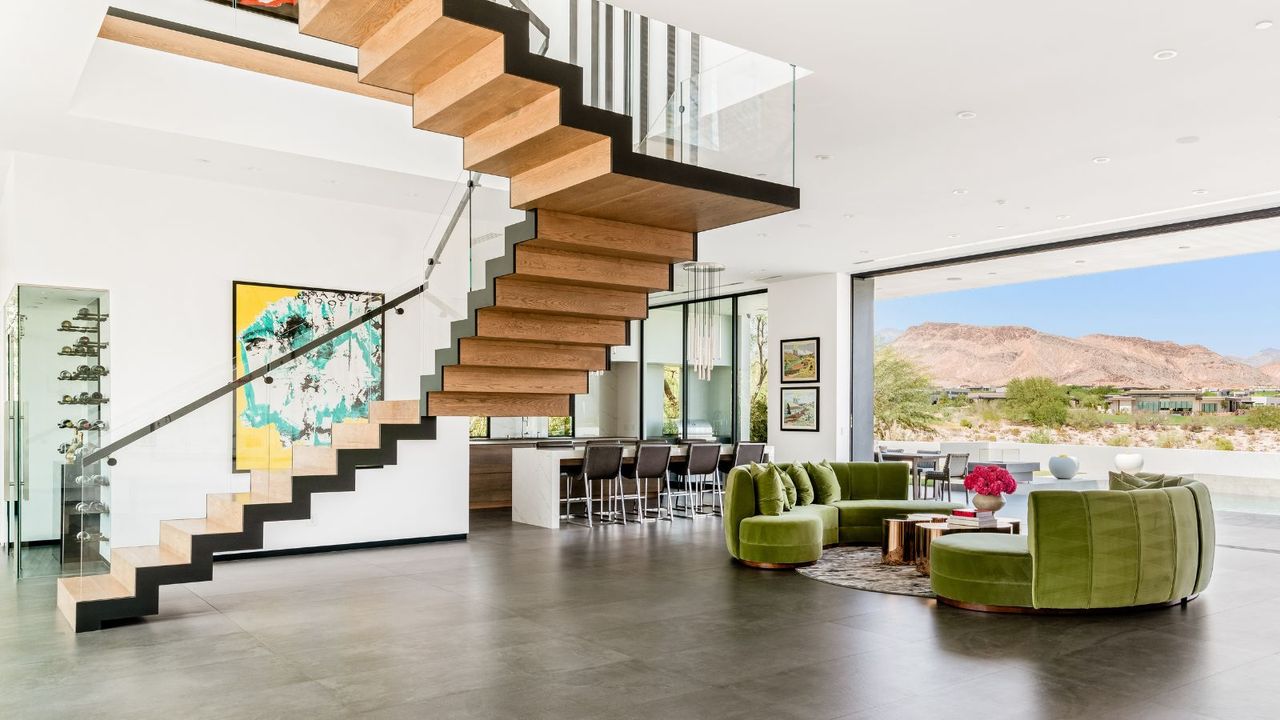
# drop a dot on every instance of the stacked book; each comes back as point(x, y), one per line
point(972, 518)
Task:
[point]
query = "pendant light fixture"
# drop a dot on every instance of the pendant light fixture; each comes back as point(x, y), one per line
point(704, 333)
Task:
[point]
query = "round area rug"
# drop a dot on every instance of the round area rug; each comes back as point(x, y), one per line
point(859, 568)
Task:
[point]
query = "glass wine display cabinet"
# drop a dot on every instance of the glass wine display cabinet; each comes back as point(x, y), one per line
point(57, 400)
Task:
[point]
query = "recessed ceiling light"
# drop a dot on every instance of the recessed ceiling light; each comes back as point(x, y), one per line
point(850, 216)
point(822, 157)
point(959, 191)
point(952, 236)
point(804, 225)
point(1188, 140)
point(1000, 227)
point(865, 252)
point(1199, 191)
point(1063, 217)
point(1263, 25)
point(1165, 54)
point(203, 160)
point(966, 114)
point(762, 174)
point(1184, 247)
point(1002, 202)
point(953, 279)
point(992, 273)
point(762, 234)
point(1101, 160)
point(1080, 262)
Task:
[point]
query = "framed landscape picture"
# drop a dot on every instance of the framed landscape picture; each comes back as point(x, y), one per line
point(800, 360)
point(334, 383)
point(800, 409)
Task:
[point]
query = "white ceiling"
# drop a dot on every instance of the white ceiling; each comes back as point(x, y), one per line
point(1053, 86)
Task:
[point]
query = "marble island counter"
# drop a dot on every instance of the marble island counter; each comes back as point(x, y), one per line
point(536, 486)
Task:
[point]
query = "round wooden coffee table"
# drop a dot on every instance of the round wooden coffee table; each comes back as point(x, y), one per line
point(926, 533)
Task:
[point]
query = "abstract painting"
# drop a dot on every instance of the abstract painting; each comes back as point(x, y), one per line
point(800, 409)
point(308, 395)
point(287, 9)
point(800, 360)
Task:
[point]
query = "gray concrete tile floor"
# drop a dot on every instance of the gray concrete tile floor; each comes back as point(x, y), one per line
point(631, 622)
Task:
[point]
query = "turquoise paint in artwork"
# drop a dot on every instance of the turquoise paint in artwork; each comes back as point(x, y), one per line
point(331, 384)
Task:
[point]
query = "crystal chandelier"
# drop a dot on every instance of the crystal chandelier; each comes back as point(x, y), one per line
point(704, 333)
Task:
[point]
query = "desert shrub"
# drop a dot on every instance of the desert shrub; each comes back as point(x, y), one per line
point(1037, 400)
point(988, 411)
point(1040, 436)
point(966, 423)
point(1217, 442)
point(1121, 440)
point(1171, 439)
point(1085, 418)
point(1266, 417)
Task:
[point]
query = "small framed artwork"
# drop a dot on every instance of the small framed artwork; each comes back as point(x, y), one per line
point(800, 360)
point(800, 409)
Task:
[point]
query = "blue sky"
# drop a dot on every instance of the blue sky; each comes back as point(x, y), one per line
point(1230, 305)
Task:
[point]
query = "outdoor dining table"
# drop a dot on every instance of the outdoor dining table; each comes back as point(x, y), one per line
point(916, 460)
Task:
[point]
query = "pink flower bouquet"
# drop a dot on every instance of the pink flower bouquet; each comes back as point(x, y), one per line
point(990, 480)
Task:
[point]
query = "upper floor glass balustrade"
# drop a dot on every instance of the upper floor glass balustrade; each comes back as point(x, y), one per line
point(691, 98)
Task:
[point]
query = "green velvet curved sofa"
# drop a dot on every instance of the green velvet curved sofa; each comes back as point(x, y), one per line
point(1091, 550)
point(869, 493)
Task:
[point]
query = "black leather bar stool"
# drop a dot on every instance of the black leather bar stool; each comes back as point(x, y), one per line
point(744, 453)
point(601, 462)
point(702, 461)
point(652, 462)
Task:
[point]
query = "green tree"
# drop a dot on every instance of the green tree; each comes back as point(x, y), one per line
point(1037, 400)
point(760, 418)
point(903, 395)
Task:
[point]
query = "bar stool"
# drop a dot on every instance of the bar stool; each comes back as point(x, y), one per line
point(652, 462)
point(601, 462)
point(702, 460)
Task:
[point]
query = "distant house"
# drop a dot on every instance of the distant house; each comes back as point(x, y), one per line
point(1176, 402)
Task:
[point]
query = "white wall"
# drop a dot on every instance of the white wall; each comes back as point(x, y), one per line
point(816, 306)
point(168, 248)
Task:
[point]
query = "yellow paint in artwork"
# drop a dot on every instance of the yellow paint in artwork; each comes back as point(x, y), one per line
point(256, 448)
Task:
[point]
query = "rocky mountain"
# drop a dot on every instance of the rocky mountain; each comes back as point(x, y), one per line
point(1273, 371)
point(957, 355)
point(1262, 358)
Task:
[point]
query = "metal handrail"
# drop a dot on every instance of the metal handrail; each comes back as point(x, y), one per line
point(107, 450)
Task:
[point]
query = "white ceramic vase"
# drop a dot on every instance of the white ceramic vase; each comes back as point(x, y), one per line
point(988, 502)
point(1064, 467)
point(1129, 462)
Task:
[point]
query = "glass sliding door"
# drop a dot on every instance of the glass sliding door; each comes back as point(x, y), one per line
point(752, 319)
point(663, 374)
point(708, 371)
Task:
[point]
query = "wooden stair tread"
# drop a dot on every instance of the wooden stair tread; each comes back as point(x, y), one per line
point(517, 292)
point(467, 404)
point(357, 436)
point(561, 231)
point(395, 412)
point(310, 460)
point(91, 588)
point(492, 352)
point(147, 556)
point(348, 22)
point(198, 526)
point(566, 330)
point(469, 378)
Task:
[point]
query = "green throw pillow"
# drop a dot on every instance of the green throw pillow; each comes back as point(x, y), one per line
point(804, 486)
point(1142, 481)
point(771, 494)
point(788, 485)
point(826, 488)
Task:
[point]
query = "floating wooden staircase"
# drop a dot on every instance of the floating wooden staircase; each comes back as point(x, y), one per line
point(234, 521)
point(604, 227)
